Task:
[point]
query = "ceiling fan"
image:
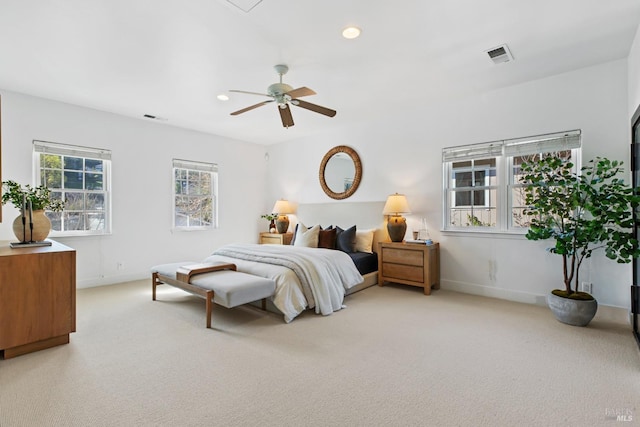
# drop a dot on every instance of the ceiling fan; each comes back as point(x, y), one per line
point(284, 95)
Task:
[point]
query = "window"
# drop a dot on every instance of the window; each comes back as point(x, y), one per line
point(516, 191)
point(195, 195)
point(81, 177)
point(482, 189)
point(473, 191)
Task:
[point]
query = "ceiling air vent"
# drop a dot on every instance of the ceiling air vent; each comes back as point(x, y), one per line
point(500, 54)
point(152, 117)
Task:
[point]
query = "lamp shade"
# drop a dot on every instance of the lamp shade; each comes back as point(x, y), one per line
point(396, 204)
point(282, 207)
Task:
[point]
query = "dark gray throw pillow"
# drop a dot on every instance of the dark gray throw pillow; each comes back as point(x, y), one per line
point(346, 239)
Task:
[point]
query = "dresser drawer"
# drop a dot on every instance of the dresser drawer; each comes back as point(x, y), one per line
point(403, 256)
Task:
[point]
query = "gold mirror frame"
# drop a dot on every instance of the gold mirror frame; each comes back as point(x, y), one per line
point(356, 179)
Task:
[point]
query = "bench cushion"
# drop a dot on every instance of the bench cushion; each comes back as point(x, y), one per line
point(233, 288)
point(230, 288)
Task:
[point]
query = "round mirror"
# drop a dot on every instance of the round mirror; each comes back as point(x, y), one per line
point(340, 172)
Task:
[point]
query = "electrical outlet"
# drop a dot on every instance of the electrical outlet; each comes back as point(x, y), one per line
point(586, 287)
point(120, 265)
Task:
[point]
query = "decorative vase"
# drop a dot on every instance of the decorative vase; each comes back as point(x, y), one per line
point(571, 311)
point(272, 226)
point(41, 227)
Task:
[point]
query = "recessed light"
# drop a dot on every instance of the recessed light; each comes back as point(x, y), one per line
point(351, 32)
point(223, 97)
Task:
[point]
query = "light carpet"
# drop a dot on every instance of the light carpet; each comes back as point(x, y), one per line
point(393, 357)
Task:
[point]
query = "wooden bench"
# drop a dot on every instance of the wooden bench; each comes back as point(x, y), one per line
point(216, 283)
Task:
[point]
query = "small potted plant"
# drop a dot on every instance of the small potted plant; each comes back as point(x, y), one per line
point(582, 213)
point(32, 224)
point(272, 218)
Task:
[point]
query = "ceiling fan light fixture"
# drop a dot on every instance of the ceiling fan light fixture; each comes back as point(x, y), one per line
point(278, 89)
point(351, 32)
point(223, 97)
point(282, 95)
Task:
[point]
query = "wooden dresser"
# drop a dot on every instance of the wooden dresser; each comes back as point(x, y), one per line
point(409, 264)
point(37, 298)
point(275, 239)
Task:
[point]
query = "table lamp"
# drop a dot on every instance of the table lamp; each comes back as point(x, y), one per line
point(282, 208)
point(397, 224)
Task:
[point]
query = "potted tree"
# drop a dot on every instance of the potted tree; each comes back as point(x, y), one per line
point(32, 225)
point(582, 213)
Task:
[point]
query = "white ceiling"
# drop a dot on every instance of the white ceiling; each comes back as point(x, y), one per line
point(170, 58)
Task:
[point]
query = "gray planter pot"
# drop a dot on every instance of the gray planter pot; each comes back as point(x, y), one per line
point(570, 311)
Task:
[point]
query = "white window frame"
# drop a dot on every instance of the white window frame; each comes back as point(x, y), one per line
point(44, 148)
point(503, 152)
point(200, 167)
point(486, 184)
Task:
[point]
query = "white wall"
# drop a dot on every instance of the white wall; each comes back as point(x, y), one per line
point(142, 207)
point(402, 152)
point(634, 74)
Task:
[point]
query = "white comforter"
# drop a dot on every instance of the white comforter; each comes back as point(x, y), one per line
point(305, 277)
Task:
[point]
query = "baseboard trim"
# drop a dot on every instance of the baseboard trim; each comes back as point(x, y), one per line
point(486, 291)
point(608, 312)
point(111, 280)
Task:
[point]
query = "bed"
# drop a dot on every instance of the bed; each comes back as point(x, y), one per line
point(312, 277)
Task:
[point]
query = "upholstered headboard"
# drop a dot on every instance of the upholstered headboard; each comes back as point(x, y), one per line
point(365, 215)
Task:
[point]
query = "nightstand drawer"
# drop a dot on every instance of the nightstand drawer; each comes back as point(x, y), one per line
point(272, 240)
point(275, 239)
point(403, 256)
point(403, 272)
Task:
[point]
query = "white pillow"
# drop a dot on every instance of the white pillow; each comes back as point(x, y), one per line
point(364, 241)
point(307, 238)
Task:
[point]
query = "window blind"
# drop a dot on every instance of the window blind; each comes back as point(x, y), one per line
point(71, 150)
point(543, 143)
point(470, 152)
point(515, 147)
point(198, 166)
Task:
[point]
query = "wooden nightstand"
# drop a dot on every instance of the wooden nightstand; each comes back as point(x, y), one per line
point(275, 239)
point(409, 264)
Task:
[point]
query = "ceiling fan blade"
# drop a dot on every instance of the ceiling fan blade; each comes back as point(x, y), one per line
point(301, 91)
point(244, 110)
point(313, 107)
point(285, 115)
point(250, 93)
